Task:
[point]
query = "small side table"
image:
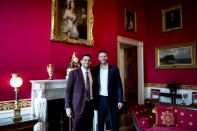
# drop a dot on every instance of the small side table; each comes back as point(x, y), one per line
point(26, 124)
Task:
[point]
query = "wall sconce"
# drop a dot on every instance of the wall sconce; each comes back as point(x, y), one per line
point(16, 82)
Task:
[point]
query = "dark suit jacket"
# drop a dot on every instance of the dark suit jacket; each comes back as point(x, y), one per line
point(115, 90)
point(75, 95)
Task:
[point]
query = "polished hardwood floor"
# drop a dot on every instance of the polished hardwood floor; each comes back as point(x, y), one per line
point(126, 123)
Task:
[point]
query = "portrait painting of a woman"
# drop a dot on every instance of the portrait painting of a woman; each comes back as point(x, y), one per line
point(72, 21)
point(130, 24)
point(69, 25)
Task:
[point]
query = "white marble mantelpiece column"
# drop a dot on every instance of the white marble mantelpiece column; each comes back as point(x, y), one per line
point(43, 90)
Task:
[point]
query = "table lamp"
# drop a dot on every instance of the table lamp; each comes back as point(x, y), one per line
point(16, 82)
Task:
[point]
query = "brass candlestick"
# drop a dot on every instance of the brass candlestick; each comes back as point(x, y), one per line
point(50, 69)
point(17, 110)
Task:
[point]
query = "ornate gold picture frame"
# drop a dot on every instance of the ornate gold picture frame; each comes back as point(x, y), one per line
point(177, 56)
point(72, 21)
point(130, 21)
point(172, 18)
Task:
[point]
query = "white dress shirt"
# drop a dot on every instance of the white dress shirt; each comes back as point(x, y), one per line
point(90, 78)
point(104, 81)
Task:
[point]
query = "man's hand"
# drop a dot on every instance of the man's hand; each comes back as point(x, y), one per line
point(69, 113)
point(120, 105)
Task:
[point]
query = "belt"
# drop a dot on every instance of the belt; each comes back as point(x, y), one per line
point(103, 96)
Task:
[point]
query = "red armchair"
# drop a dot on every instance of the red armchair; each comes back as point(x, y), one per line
point(154, 98)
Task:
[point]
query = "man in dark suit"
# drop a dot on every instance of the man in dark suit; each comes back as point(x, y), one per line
point(79, 96)
point(109, 91)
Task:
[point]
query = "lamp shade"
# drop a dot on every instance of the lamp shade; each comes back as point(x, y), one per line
point(16, 80)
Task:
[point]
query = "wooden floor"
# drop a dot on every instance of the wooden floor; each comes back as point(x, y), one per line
point(126, 123)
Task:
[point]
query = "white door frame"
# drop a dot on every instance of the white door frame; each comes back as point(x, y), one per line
point(140, 63)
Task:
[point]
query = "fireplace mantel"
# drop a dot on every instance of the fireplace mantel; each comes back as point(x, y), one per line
point(43, 90)
point(52, 89)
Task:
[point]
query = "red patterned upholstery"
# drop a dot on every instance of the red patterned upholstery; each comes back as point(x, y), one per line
point(145, 114)
point(142, 110)
point(187, 118)
point(143, 122)
point(186, 122)
point(166, 129)
point(165, 117)
point(147, 121)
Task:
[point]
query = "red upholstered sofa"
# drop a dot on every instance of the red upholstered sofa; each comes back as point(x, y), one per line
point(185, 119)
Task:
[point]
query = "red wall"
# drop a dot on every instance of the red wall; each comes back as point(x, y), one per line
point(149, 31)
point(26, 47)
point(155, 37)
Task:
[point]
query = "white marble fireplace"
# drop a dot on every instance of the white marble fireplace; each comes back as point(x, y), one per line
point(43, 90)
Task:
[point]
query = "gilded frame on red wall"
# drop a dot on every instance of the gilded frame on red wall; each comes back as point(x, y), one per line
point(72, 21)
point(179, 56)
point(172, 18)
point(130, 21)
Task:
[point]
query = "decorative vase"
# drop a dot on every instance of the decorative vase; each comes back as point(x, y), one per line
point(50, 69)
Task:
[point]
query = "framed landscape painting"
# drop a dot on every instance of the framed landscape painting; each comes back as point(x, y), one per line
point(72, 21)
point(176, 56)
point(172, 18)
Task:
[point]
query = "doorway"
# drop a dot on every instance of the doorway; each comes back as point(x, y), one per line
point(130, 74)
point(130, 62)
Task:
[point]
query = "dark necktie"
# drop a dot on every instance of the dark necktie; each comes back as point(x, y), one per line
point(87, 86)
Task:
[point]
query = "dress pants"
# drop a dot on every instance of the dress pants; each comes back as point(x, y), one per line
point(104, 109)
point(84, 121)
